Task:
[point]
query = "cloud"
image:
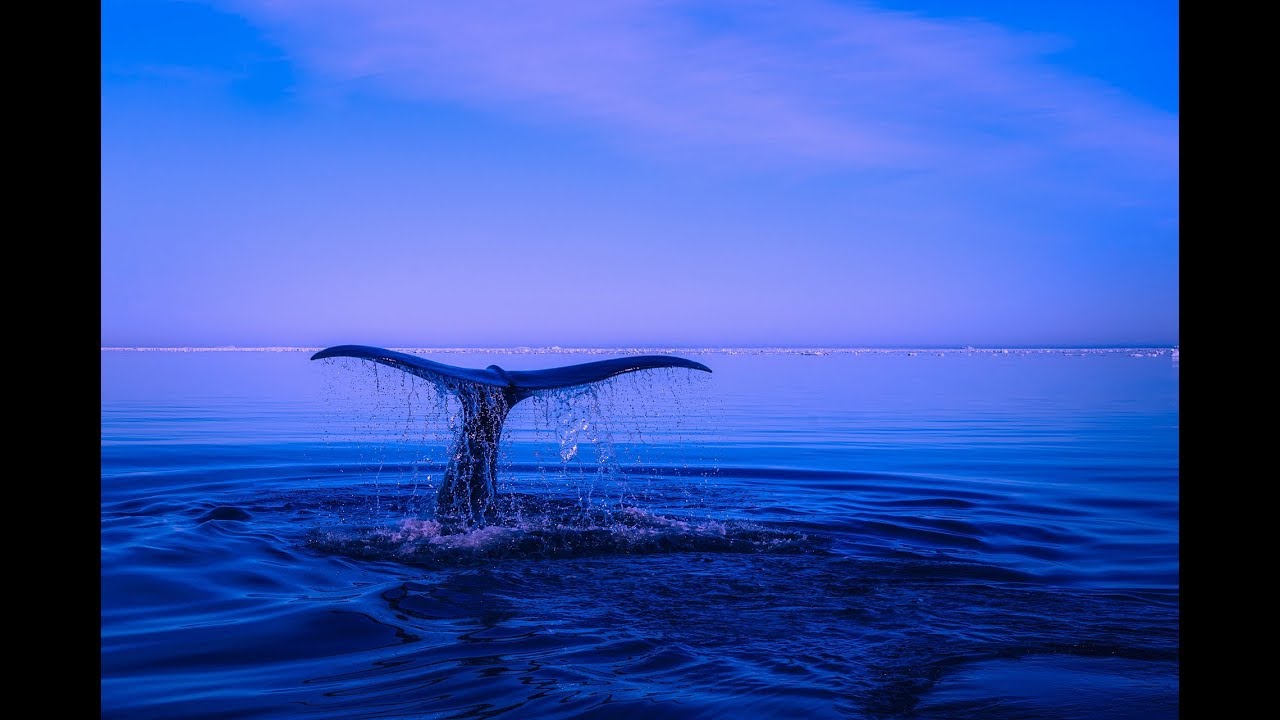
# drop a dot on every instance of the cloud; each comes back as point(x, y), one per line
point(803, 81)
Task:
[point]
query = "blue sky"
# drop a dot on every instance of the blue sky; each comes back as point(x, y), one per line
point(639, 172)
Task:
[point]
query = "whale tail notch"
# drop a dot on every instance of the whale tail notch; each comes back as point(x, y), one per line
point(487, 396)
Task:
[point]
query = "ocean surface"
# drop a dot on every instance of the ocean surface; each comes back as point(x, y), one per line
point(818, 534)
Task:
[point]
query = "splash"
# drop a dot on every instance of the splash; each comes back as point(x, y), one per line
point(559, 530)
point(576, 476)
point(461, 441)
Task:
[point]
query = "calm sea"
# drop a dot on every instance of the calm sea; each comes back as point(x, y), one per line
point(960, 534)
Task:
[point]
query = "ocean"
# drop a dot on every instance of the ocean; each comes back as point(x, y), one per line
point(820, 533)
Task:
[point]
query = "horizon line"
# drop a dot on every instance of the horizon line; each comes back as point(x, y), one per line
point(632, 348)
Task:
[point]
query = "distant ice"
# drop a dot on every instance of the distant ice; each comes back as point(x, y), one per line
point(811, 351)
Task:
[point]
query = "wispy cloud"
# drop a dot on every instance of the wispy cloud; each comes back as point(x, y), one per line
point(805, 80)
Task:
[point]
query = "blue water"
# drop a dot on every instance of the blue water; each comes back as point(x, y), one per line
point(869, 535)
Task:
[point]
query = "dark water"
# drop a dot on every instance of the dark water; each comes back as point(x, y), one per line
point(879, 535)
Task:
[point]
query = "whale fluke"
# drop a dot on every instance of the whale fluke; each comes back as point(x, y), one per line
point(520, 383)
point(487, 396)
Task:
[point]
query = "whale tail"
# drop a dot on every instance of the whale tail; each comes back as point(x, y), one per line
point(487, 395)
